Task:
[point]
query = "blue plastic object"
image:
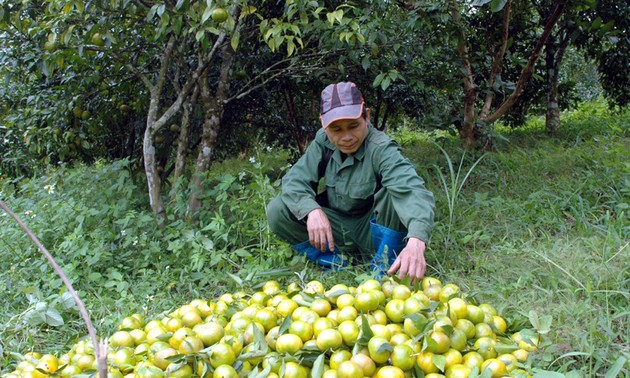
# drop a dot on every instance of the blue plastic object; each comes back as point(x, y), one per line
point(388, 244)
point(308, 250)
point(332, 260)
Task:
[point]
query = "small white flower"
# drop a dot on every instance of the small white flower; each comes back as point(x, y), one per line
point(252, 160)
point(123, 232)
point(50, 188)
point(135, 241)
point(149, 297)
point(269, 148)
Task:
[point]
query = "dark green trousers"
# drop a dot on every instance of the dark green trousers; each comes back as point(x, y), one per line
point(352, 234)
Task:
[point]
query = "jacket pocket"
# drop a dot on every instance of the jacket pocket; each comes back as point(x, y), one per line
point(362, 191)
point(361, 197)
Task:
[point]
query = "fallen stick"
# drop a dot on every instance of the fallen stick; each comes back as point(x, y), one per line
point(99, 348)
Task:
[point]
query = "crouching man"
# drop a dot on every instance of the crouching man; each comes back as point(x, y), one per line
point(374, 204)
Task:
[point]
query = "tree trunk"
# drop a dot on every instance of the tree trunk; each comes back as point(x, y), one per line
point(472, 130)
point(131, 141)
point(213, 112)
point(153, 178)
point(385, 118)
point(380, 111)
point(184, 135)
point(148, 144)
point(528, 70)
point(552, 118)
point(554, 57)
point(497, 61)
point(298, 134)
point(467, 125)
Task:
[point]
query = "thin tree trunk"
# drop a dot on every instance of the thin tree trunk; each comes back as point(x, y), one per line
point(213, 106)
point(295, 123)
point(184, 134)
point(376, 110)
point(131, 142)
point(497, 61)
point(467, 126)
point(552, 118)
point(554, 59)
point(527, 71)
point(385, 118)
point(148, 147)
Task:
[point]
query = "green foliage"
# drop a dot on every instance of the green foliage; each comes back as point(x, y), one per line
point(46, 311)
point(453, 183)
point(605, 26)
point(233, 234)
point(97, 224)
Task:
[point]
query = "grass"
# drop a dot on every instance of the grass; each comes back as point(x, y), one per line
point(541, 224)
point(544, 225)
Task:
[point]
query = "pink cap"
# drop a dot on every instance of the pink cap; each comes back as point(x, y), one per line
point(340, 101)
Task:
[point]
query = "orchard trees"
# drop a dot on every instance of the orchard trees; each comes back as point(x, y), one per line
point(481, 53)
point(109, 78)
point(554, 90)
point(604, 36)
point(182, 54)
point(63, 92)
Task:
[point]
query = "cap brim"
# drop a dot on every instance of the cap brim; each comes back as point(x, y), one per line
point(342, 112)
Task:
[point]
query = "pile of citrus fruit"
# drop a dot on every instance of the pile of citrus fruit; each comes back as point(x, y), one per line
point(377, 329)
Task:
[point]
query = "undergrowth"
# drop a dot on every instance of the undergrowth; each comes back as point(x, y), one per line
point(541, 224)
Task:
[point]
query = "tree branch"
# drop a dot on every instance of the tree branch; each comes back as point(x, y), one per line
point(470, 89)
point(168, 52)
point(142, 77)
point(526, 73)
point(190, 83)
point(250, 86)
point(497, 62)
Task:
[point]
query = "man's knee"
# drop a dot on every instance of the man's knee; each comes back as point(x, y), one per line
point(274, 213)
point(284, 224)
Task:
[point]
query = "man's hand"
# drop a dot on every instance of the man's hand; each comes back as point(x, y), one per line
point(410, 262)
point(319, 230)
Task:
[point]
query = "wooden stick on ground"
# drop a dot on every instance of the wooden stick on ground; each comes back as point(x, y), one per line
point(99, 348)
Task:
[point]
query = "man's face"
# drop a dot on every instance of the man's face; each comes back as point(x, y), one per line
point(348, 134)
